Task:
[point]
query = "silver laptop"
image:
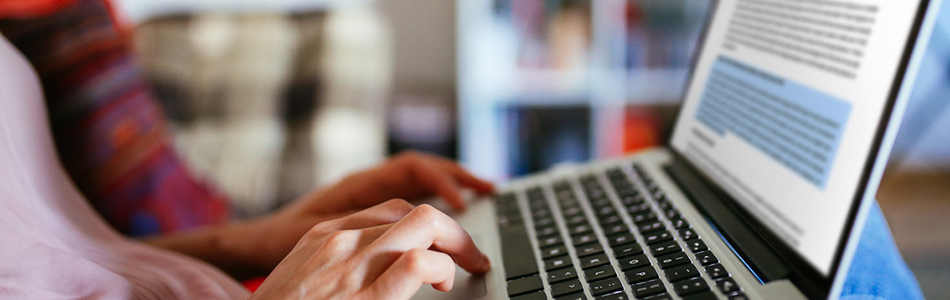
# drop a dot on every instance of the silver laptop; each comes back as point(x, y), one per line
point(763, 188)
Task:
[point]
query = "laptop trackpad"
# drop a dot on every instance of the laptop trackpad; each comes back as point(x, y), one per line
point(467, 286)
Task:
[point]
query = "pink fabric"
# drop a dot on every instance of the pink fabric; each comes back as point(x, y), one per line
point(52, 244)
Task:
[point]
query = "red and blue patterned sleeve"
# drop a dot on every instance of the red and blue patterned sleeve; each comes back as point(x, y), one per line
point(110, 132)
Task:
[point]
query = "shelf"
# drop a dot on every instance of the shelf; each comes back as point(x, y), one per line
point(628, 63)
point(655, 86)
point(556, 87)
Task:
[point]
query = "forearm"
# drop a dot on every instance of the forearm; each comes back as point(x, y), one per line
point(221, 246)
point(245, 249)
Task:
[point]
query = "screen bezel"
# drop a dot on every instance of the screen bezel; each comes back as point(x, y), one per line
point(804, 274)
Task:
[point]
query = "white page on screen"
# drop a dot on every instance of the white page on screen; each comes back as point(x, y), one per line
point(784, 105)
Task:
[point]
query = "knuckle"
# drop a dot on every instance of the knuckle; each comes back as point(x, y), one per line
point(414, 261)
point(340, 241)
point(428, 214)
point(318, 231)
point(401, 205)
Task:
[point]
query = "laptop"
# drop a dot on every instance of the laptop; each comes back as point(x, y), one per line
point(763, 188)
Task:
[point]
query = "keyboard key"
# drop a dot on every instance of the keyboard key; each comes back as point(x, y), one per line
point(663, 202)
point(557, 262)
point(663, 296)
point(696, 246)
point(505, 222)
point(638, 208)
point(574, 220)
point(657, 237)
point(596, 193)
point(589, 249)
point(633, 262)
point(524, 285)
point(539, 295)
point(650, 227)
point(605, 286)
point(644, 218)
point(640, 275)
point(516, 253)
point(703, 295)
point(605, 210)
point(615, 229)
point(628, 249)
point(706, 258)
point(634, 199)
point(562, 274)
point(566, 192)
point(681, 272)
point(738, 296)
point(626, 190)
point(568, 202)
point(548, 241)
point(672, 260)
point(600, 203)
point(547, 230)
point(541, 213)
point(574, 296)
point(572, 211)
point(690, 286)
point(648, 288)
point(538, 205)
point(716, 271)
point(599, 273)
point(727, 285)
point(609, 219)
point(681, 223)
point(588, 262)
point(553, 251)
point(688, 234)
point(543, 222)
point(584, 239)
point(673, 214)
point(580, 229)
point(567, 287)
point(665, 248)
point(614, 296)
point(620, 239)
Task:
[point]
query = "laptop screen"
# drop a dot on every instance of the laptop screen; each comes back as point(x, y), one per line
point(784, 105)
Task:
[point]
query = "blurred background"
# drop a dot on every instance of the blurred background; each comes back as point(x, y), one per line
point(269, 99)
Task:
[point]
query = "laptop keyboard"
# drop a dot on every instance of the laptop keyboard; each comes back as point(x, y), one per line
point(602, 254)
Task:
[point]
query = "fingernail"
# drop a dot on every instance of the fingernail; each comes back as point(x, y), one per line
point(486, 263)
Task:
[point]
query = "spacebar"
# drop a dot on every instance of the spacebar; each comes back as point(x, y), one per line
point(516, 252)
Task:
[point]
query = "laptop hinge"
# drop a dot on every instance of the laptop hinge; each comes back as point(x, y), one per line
point(748, 244)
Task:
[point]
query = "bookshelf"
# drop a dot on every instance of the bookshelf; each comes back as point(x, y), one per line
point(531, 72)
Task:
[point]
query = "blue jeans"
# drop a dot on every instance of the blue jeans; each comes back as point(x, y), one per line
point(878, 270)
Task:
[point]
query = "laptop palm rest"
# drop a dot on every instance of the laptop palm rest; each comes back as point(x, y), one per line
point(467, 286)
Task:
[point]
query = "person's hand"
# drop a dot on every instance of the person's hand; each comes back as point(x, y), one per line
point(409, 175)
point(262, 243)
point(384, 252)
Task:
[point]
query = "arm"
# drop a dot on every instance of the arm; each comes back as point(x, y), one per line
point(243, 249)
point(255, 247)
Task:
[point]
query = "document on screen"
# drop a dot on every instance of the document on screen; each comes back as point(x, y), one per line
point(784, 104)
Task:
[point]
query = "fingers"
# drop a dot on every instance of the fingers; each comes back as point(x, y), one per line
point(445, 178)
point(411, 270)
point(429, 175)
point(426, 227)
point(465, 178)
point(385, 213)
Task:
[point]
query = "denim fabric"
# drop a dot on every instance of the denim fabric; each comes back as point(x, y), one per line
point(878, 270)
